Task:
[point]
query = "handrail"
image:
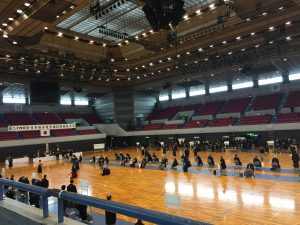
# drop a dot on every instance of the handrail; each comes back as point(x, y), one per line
point(119, 208)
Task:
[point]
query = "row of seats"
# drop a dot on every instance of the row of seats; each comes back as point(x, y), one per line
point(44, 118)
point(36, 134)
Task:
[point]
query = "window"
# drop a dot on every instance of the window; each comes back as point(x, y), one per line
point(14, 99)
point(242, 85)
point(163, 98)
point(272, 80)
point(295, 76)
point(81, 102)
point(65, 101)
point(218, 89)
point(176, 95)
point(197, 90)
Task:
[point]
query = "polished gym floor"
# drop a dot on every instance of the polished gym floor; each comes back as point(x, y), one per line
point(273, 197)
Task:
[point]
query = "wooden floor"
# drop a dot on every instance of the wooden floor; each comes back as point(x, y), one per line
point(207, 198)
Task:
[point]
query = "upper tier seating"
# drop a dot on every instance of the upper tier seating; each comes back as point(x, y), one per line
point(170, 126)
point(252, 120)
point(222, 122)
point(186, 108)
point(167, 113)
point(2, 122)
point(8, 135)
point(266, 102)
point(195, 124)
point(47, 118)
point(154, 126)
point(65, 132)
point(68, 116)
point(85, 132)
point(288, 118)
point(91, 119)
point(293, 100)
point(30, 134)
point(235, 105)
point(210, 108)
point(19, 119)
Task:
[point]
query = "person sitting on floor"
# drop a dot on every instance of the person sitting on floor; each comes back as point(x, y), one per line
point(223, 167)
point(186, 164)
point(249, 173)
point(93, 159)
point(163, 163)
point(174, 164)
point(148, 157)
point(155, 158)
point(237, 160)
point(105, 171)
point(123, 163)
point(143, 163)
point(210, 161)
point(256, 162)
point(122, 157)
point(128, 157)
point(133, 162)
point(275, 163)
point(106, 160)
point(295, 158)
point(117, 157)
point(199, 160)
point(10, 193)
point(250, 166)
point(101, 161)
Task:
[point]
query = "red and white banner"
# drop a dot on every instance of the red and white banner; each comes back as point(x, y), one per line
point(42, 127)
point(45, 133)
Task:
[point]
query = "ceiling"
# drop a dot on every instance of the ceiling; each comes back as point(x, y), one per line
point(212, 43)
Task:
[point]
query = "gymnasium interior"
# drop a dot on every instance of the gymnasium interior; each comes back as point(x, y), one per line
point(132, 112)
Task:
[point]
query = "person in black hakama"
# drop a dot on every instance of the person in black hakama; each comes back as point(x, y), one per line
point(295, 158)
point(10, 162)
point(40, 169)
point(74, 172)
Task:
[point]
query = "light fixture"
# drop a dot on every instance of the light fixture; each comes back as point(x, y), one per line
point(271, 42)
point(178, 56)
point(160, 61)
point(253, 33)
point(288, 38)
point(243, 49)
point(212, 6)
point(127, 70)
point(169, 59)
point(138, 77)
point(4, 24)
point(284, 59)
point(256, 46)
point(212, 75)
point(76, 38)
point(19, 11)
point(248, 19)
point(185, 17)
point(206, 59)
point(118, 79)
point(200, 49)
point(264, 14)
point(280, 8)
point(229, 53)
point(112, 60)
point(288, 23)
point(188, 53)
point(119, 44)
point(7, 56)
point(45, 28)
point(27, 4)
point(198, 11)
point(211, 46)
point(60, 34)
point(10, 19)
point(271, 28)
point(129, 78)
point(224, 42)
point(104, 45)
point(238, 38)
point(15, 43)
point(5, 35)
point(91, 42)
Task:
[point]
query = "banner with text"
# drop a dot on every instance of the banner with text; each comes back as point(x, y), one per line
point(42, 127)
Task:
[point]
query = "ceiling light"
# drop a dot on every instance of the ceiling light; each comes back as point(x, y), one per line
point(137, 37)
point(206, 59)
point(151, 31)
point(264, 14)
point(185, 17)
point(115, 70)
point(212, 6)
point(60, 34)
point(178, 56)
point(118, 79)
point(127, 70)
point(7, 56)
point(38, 71)
point(91, 42)
point(285, 59)
point(10, 19)
point(229, 53)
point(200, 50)
point(126, 59)
point(99, 78)
point(256, 46)
point(212, 75)
point(138, 77)
point(112, 60)
point(72, 7)
point(4, 24)
point(288, 23)
point(145, 75)
point(129, 78)
point(224, 42)
point(271, 28)
point(150, 64)
point(198, 11)
point(288, 38)
point(119, 44)
point(5, 36)
point(271, 42)
point(253, 33)
point(76, 38)
point(188, 53)
point(27, 4)
point(19, 11)
point(45, 28)
point(15, 43)
point(243, 49)
point(160, 61)
point(248, 19)
point(169, 59)
point(280, 8)
point(211, 46)
point(168, 69)
point(238, 38)
point(104, 45)
point(126, 41)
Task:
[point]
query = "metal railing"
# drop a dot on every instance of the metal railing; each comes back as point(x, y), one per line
point(118, 208)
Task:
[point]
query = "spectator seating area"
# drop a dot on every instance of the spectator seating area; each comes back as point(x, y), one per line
point(2, 122)
point(193, 107)
point(8, 135)
point(19, 119)
point(235, 105)
point(266, 102)
point(288, 118)
point(293, 100)
point(255, 120)
point(195, 124)
point(222, 122)
point(65, 116)
point(30, 134)
point(169, 126)
point(86, 132)
point(47, 118)
point(155, 126)
point(168, 114)
point(211, 108)
point(91, 119)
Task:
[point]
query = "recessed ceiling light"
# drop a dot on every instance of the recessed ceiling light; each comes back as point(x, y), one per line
point(160, 61)
point(76, 38)
point(60, 34)
point(27, 4)
point(271, 42)
point(285, 59)
point(45, 28)
point(169, 59)
point(15, 43)
point(188, 53)
point(248, 19)
point(212, 75)
point(243, 49)
point(185, 17)
point(127, 70)
point(7, 56)
point(253, 33)
point(271, 28)
point(288, 23)
point(229, 53)
point(256, 46)
point(112, 60)
point(280, 8)
point(145, 75)
point(38, 71)
point(198, 11)
point(288, 38)
point(129, 78)
point(4, 24)
point(104, 45)
point(238, 38)
point(5, 35)
point(264, 14)
point(91, 42)
point(178, 56)
point(19, 11)
point(10, 19)
point(200, 49)
point(138, 77)
point(224, 42)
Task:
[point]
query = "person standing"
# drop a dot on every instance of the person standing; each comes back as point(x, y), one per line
point(110, 217)
point(40, 169)
point(10, 162)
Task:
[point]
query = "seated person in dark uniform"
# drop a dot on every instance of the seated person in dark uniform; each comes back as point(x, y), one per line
point(237, 160)
point(117, 157)
point(123, 163)
point(186, 164)
point(93, 159)
point(163, 163)
point(256, 162)
point(143, 163)
point(275, 163)
point(10, 193)
point(105, 171)
point(148, 156)
point(133, 162)
point(122, 157)
point(101, 161)
point(174, 164)
point(210, 161)
point(199, 160)
point(249, 173)
point(250, 166)
point(155, 158)
point(128, 157)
